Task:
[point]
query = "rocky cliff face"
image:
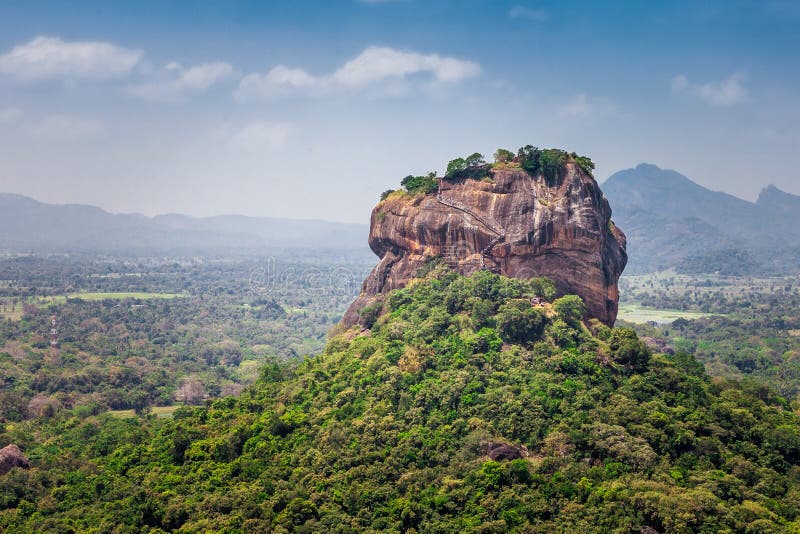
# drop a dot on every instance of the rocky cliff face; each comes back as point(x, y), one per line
point(514, 224)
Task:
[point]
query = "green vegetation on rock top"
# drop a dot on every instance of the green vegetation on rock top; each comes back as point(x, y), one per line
point(547, 162)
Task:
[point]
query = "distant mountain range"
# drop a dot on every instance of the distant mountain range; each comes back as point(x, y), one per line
point(27, 225)
point(671, 221)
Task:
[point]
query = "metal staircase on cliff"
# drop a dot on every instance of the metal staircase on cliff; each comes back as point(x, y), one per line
point(491, 224)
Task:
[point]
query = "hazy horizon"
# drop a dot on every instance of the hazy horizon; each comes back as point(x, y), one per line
point(309, 110)
point(364, 222)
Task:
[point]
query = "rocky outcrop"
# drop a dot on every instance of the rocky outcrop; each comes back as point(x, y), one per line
point(513, 223)
point(498, 450)
point(11, 456)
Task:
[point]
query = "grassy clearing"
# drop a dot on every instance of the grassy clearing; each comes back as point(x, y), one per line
point(159, 411)
point(9, 311)
point(634, 313)
point(123, 295)
point(13, 308)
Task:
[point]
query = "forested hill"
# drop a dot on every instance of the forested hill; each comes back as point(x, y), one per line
point(671, 221)
point(27, 225)
point(464, 408)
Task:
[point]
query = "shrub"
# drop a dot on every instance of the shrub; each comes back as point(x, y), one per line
point(421, 184)
point(369, 314)
point(584, 163)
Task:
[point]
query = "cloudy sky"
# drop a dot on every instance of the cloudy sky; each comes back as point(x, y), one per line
point(311, 109)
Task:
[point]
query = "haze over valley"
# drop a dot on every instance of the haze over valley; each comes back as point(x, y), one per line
point(399, 266)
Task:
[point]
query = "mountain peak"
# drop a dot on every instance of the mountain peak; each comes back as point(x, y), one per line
point(651, 175)
point(776, 199)
point(668, 217)
point(773, 191)
point(648, 167)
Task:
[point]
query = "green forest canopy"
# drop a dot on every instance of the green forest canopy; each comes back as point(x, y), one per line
point(395, 431)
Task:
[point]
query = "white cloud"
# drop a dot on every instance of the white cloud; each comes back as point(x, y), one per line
point(522, 12)
point(46, 58)
point(722, 93)
point(64, 126)
point(178, 80)
point(725, 93)
point(381, 63)
point(279, 81)
point(259, 136)
point(375, 65)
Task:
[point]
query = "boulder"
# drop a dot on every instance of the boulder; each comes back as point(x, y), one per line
point(498, 451)
point(10, 457)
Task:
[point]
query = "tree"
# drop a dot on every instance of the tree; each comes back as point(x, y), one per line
point(191, 391)
point(43, 406)
point(614, 441)
point(455, 167)
point(475, 160)
point(551, 161)
point(628, 351)
point(570, 308)
point(519, 322)
point(528, 157)
point(141, 403)
point(13, 406)
point(501, 155)
point(470, 167)
point(543, 287)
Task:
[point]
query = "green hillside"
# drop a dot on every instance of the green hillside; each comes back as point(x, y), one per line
point(393, 429)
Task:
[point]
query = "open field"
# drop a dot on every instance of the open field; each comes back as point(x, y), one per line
point(635, 313)
point(159, 411)
point(703, 284)
point(123, 295)
point(13, 308)
point(707, 293)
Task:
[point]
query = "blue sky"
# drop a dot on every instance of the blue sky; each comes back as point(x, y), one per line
point(311, 109)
